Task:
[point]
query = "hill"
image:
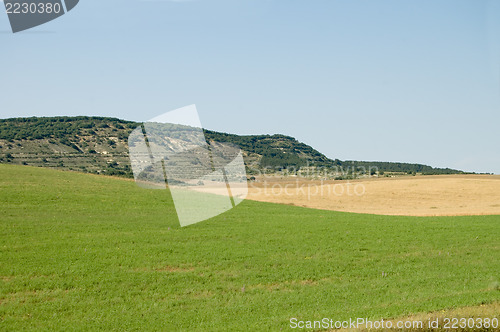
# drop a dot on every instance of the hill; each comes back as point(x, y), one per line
point(99, 145)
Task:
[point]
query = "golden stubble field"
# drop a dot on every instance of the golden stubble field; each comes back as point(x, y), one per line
point(437, 195)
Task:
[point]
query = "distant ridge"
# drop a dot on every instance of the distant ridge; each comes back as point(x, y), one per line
point(99, 145)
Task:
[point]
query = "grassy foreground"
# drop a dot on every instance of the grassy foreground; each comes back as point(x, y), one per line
point(83, 252)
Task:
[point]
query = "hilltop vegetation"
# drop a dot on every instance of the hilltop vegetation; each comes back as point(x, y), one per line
point(88, 144)
point(274, 150)
point(99, 145)
point(394, 167)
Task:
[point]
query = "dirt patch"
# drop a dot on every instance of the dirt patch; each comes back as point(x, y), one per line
point(440, 195)
point(483, 311)
point(167, 268)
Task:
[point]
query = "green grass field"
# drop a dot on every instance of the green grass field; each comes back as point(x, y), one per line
point(84, 252)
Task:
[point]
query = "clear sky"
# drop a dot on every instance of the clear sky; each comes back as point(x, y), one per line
point(388, 80)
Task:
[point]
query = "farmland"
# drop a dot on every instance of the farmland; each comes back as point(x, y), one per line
point(434, 195)
point(88, 252)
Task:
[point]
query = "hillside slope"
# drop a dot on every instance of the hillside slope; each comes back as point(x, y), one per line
point(99, 145)
point(85, 252)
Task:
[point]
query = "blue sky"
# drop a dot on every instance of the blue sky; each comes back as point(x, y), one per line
point(409, 81)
